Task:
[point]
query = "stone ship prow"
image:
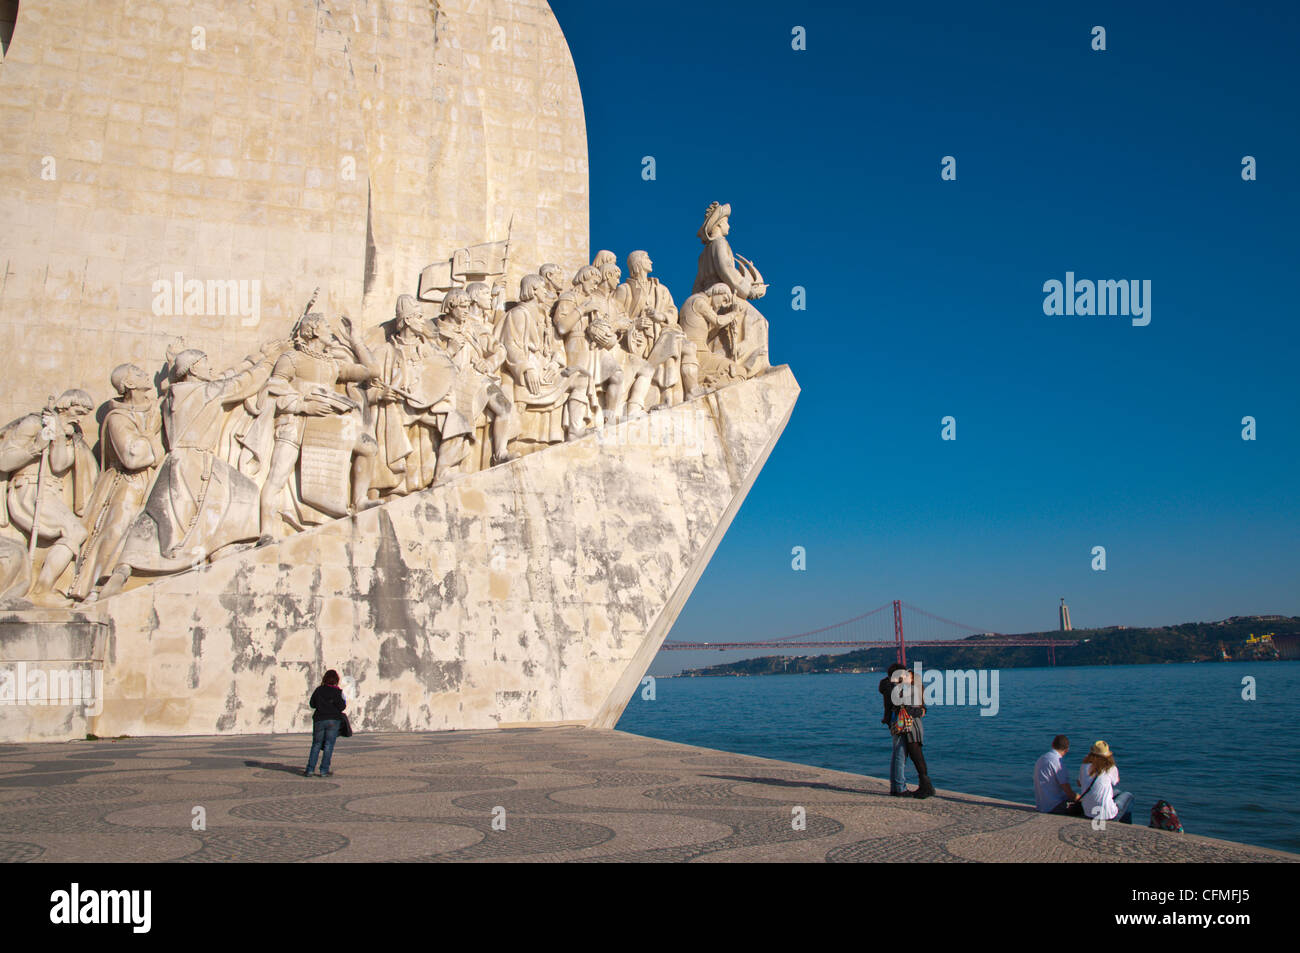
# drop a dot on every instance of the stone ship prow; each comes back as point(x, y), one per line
point(482, 489)
point(532, 593)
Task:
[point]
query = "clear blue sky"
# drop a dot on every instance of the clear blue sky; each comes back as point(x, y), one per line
point(925, 297)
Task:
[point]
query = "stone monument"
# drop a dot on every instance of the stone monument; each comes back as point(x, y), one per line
point(484, 500)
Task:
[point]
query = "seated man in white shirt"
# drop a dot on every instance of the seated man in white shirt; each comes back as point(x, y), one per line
point(1052, 791)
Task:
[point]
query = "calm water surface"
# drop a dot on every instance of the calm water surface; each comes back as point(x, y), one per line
point(1178, 732)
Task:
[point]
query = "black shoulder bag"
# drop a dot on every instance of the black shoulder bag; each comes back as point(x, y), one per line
point(1075, 808)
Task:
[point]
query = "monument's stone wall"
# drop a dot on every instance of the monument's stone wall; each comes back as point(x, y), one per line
point(51, 674)
point(536, 592)
point(344, 144)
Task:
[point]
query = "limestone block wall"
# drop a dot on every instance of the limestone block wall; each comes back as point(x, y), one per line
point(536, 592)
point(344, 144)
point(51, 675)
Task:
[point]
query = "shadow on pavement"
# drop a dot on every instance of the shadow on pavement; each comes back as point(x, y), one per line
point(275, 766)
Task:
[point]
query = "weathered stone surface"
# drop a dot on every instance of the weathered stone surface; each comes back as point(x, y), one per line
point(532, 593)
point(51, 674)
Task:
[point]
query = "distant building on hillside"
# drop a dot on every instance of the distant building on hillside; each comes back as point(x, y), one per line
point(1065, 616)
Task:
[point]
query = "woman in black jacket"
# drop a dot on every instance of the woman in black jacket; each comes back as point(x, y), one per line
point(327, 718)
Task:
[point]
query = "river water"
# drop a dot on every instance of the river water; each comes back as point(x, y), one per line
point(1183, 733)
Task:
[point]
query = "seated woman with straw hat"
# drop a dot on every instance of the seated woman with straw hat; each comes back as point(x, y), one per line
point(1097, 779)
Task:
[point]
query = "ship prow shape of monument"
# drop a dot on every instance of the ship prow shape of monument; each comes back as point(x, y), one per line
point(490, 518)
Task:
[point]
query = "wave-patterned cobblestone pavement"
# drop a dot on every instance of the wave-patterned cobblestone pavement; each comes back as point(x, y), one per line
point(529, 794)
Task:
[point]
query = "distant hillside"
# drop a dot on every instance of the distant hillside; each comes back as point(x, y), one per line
point(1189, 642)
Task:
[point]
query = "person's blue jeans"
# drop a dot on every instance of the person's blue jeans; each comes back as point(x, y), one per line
point(1124, 807)
point(898, 765)
point(323, 735)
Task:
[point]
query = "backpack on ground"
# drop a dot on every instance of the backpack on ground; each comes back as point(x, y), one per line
point(1165, 818)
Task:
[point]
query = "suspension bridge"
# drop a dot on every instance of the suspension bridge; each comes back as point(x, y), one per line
point(871, 630)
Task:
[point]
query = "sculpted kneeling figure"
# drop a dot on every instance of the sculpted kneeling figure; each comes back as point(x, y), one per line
point(705, 319)
point(38, 454)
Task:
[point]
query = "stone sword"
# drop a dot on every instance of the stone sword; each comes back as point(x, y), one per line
point(47, 434)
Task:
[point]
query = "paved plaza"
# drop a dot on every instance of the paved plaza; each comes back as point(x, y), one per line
point(561, 794)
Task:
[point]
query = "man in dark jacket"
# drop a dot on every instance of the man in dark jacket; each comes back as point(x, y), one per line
point(327, 719)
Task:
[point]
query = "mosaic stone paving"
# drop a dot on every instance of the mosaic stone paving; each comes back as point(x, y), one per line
point(530, 794)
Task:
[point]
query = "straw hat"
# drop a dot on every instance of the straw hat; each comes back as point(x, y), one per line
point(1101, 748)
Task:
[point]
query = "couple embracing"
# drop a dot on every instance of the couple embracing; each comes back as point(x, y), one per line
point(904, 713)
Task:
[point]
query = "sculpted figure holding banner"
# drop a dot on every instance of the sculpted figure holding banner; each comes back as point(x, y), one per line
point(317, 429)
point(38, 453)
point(657, 345)
point(718, 264)
point(551, 398)
point(477, 392)
point(199, 503)
point(130, 449)
point(412, 395)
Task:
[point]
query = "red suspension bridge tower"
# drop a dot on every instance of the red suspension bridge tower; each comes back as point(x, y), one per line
point(898, 631)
